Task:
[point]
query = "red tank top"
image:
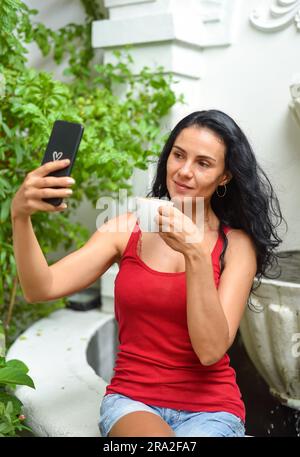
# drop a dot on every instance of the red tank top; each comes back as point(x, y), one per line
point(155, 362)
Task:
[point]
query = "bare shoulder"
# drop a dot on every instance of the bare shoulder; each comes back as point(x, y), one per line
point(240, 244)
point(123, 223)
point(119, 228)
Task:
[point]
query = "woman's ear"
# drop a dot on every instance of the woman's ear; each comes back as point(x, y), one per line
point(229, 177)
point(226, 178)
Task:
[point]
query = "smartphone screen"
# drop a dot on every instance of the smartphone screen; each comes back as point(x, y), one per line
point(63, 144)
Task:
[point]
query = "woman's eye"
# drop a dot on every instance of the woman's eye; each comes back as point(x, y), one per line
point(176, 154)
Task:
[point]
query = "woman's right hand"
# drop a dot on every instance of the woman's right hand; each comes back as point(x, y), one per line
point(37, 185)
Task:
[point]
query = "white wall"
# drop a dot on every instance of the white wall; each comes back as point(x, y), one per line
point(250, 80)
point(53, 14)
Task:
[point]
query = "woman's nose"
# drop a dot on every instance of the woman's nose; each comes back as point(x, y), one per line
point(186, 169)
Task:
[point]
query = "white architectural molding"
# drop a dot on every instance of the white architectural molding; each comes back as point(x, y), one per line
point(214, 10)
point(209, 23)
point(282, 14)
point(115, 3)
point(143, 29)
point(175, 58)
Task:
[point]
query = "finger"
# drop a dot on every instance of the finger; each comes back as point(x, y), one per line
point(157, 221)
point(63, 206)
point(47, 167)
point(40, 205)
point(179, 224)
point(163, 222)
point(53, 181)
point(164, 210)
point(45, 192)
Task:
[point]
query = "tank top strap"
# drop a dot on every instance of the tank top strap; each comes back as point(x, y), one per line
point(226, 229)
point(131, 246)
point(219, 245)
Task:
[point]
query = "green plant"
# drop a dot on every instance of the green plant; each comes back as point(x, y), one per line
point(121, 133)
point(12, 372)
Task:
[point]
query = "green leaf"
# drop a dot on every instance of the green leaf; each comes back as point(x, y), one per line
point(16, 403)
point(17, 364)
point(6, 129)
point(4, 212)
point(11, 375)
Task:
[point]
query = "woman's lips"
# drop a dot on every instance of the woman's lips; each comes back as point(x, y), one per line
point(179, 187)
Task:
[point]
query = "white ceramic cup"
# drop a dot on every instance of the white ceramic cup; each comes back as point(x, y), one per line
point(146, 210)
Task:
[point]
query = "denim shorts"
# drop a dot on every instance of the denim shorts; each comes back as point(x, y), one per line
point(184, 423)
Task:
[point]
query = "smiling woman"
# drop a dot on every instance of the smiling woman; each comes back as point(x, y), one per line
point(173, 374)
point(201, 173)
point(210, 155)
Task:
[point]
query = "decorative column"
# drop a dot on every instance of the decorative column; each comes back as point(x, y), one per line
point(168, 33)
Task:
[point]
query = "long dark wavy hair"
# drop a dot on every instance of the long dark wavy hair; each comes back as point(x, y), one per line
point(249, 204)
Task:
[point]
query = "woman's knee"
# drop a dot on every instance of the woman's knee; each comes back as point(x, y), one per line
point(141, 423)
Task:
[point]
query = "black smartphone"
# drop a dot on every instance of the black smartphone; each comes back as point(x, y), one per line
point(63, 144)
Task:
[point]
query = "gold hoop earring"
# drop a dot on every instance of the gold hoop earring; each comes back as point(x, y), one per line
point(224, 192)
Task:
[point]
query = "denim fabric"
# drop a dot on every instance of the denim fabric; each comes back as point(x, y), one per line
point(184, 423)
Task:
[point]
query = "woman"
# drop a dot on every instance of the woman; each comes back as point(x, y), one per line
point(178, 304)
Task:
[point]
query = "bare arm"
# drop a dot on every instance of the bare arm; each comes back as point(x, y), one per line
point(33, 270)
point(214, 315)
point(39, 281)
point(73, 272)
point(32, 267)
point(82, 267)
point(68, 275)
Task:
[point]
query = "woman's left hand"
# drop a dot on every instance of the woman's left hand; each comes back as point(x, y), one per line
point(178, 230)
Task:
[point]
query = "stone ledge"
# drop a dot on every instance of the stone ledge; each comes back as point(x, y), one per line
point(68, 394)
